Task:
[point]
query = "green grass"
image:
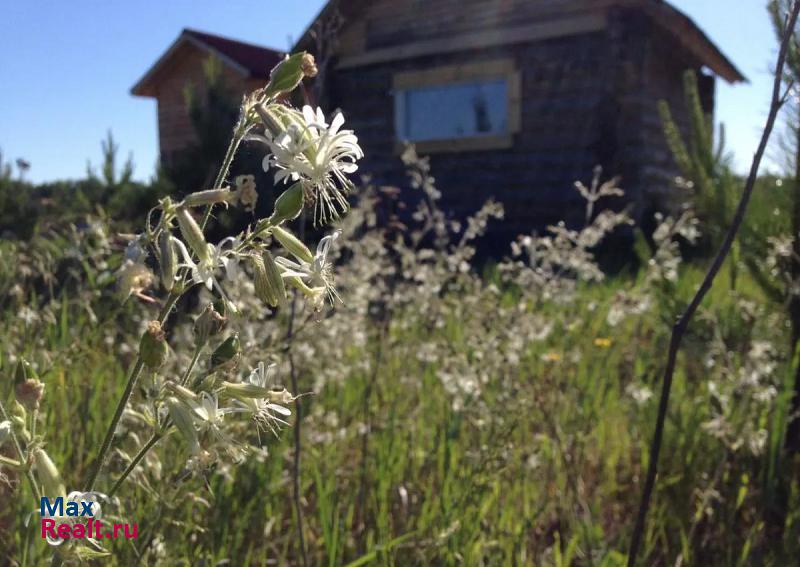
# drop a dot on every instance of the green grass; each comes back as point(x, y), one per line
point(544, 467)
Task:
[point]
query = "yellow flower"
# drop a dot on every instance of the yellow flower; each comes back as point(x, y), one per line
point(552, 357)
point(602, 342)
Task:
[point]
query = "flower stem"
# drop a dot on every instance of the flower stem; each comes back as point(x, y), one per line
point(14, 441)
point(236, 139)
point(191, 366)
point(10, 462)
point(155, 438)
point(133, 377)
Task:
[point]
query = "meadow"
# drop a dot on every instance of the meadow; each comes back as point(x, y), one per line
point(400, 401)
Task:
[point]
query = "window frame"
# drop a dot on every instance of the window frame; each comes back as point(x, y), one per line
point(448, 75)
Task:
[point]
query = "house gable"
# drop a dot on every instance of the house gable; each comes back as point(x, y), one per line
point(244, 67)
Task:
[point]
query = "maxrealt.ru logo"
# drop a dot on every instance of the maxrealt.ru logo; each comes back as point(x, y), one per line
point(78, 517)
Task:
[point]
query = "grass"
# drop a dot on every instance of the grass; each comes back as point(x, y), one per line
point(542, 468)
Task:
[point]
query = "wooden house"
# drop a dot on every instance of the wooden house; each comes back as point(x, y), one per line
point(511, 99)
point(245, 67)
point(517, 99)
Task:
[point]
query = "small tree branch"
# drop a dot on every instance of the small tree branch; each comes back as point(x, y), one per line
point(682, 324)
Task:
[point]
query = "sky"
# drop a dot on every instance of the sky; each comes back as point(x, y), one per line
point(67, 69)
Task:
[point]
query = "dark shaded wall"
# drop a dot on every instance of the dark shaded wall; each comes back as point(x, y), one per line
point(587, 100)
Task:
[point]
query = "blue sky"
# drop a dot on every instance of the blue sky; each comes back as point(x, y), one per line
point(67, 69)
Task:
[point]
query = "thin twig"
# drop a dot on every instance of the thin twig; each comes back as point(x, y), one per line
point(679, 329)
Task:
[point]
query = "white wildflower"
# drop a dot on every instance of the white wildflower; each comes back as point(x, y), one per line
point(263, 410)
point(223, 255)
point(317, 274)
point(319, 155)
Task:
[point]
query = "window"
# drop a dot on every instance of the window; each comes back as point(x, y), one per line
point(458, 107)
point(452, 111)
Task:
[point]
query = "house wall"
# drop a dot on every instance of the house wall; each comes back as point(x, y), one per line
point(587, 99)
point(665, 65)
point(175, 131)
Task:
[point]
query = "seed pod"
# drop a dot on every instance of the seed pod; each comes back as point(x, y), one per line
point(309, 66)
point(287, 74)
point(293, 244)
point(209, 197)
point(274, 279)
point(168, 263)
point(48, 473)
point(208, 324)
point(225, 352)
point(264, 290)
point(288, 205)
point(192, 234)
point(29, 393)
point(153, 347)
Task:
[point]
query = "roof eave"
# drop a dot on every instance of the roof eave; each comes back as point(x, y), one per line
point(695, 39)
point(144, 87)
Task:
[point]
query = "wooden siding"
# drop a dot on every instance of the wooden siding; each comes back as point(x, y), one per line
point(175, 130)
point(561, 121)
point(587, 99)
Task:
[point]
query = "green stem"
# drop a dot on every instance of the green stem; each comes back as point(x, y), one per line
point(133, 377)
point(238, 136)
point(189, 369)
point(156, 437)
point(34, 419)
point(14, 441)
point(10, 462)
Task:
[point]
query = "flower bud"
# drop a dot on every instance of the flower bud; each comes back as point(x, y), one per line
point(192, 234)
point(287, 74)
point(168, 263)
point(18, 411)
point(288, 205)
point(264, 290)
point(209, 197)
point(167, 206)
point(153, 347)
point(274, 279)
point(20, 427)
point(225, 352)
point(48, 474)
point(208, 324)
point(182, 392)
point(243, 390)
point(292, 244)
point(29, 393)
point(182, 418)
